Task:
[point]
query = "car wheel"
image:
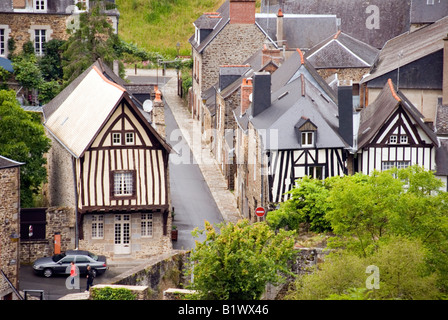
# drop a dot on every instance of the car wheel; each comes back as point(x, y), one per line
point(48, 273)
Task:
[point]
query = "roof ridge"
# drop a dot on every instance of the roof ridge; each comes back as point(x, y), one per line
point(107, 80)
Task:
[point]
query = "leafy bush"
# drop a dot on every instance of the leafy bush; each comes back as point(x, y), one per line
point(308, 205)
point(108, 293)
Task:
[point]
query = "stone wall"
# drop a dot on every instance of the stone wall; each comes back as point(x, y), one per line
point(9, 227)
point(141, 247)
point(159, 273)
point(164, 274)
point(345, 74)
point(233, 45)
point(21, 24)
point(59, 220)
point(60, 186)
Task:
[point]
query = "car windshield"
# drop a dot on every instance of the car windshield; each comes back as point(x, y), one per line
point(58, 257)
point(93, 256)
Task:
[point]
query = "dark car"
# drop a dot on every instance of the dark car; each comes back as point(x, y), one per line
point(60, 263)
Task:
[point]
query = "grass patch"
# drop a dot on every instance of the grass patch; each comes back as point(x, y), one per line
point(157, 25)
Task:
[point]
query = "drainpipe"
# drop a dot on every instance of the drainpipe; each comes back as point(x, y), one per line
point(76, 203)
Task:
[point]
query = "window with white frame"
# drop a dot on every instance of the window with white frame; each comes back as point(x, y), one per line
point(403, 139)
point(40, 38)
point(40, 5)
point(393, 139)
point(97, 226)
point(386, 165)
point(123, 183)
point(130, 138)
point(116, 138)
point(307, 139)
point(146, 225)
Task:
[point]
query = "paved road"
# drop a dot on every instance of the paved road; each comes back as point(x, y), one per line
point(54, 287)
point(190, 195)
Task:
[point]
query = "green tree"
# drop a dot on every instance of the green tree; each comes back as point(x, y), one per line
point(240, 260)
point(23, 139)
point(94, 39)
point(51, 63)
point(407, 202)
point(27, 71)
point(307, 206)
point(402, 268)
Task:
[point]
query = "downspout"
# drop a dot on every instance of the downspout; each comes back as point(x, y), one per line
point(76, 202)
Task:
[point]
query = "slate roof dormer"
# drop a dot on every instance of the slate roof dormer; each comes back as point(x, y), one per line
point(342, 51)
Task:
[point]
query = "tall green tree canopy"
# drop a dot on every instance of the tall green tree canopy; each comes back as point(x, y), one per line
point(93, 39)
point(240, 260)
point(22, 138)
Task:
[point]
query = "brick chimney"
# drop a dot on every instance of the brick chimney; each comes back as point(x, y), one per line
point(271, 54)
point(246, 90)
point(242, 11)
point(280, 33)
point(445, 72)
point(158, 113)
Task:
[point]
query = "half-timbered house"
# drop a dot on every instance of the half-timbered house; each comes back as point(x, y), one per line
point(110, 164)
point(392, 133)
point(287, 134)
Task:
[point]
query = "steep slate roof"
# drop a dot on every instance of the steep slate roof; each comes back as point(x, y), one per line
point(77, 114)
point(8, 163)
point(286, 110)
point(293, 67)
point(215, 22)
point(413, 45)
point(421, 12)
point(300, 30)
point(355, 15)
point(298, 91)
point(342, 51)
point(219, 24)
point(374, 116)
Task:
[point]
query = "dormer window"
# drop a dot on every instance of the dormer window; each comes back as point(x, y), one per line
point(40, 5)
point(307, 139)
point(306, 132)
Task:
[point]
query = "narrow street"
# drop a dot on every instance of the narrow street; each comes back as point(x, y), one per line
point(191, 198)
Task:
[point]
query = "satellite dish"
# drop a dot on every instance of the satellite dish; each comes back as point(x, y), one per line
point(147, 105)
point(250, 97)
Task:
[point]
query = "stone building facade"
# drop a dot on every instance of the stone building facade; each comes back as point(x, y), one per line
point(226, 37)
point(41, 21)
point(9, 226)
point(110, 168)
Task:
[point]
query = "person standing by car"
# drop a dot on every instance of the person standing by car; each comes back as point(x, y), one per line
point(90, 277)
point(73, 272)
